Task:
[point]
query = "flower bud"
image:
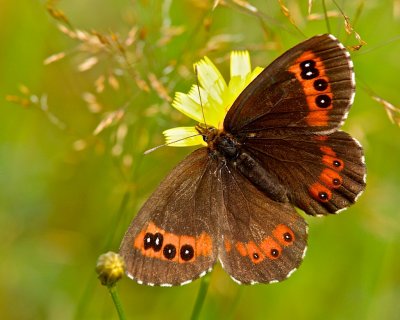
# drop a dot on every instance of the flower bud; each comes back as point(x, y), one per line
point(110, 268)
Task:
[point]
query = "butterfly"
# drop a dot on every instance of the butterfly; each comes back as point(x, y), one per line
point(234, 200)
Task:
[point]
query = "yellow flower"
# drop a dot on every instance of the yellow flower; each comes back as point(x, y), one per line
point(216, 98)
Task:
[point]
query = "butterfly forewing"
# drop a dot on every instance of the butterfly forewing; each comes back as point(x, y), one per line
point(307, 89)
point(174, 237)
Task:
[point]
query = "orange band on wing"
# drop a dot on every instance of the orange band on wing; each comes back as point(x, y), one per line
point(154, 242)
point(316, 88)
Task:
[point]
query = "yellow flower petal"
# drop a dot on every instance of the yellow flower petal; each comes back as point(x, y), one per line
point(183, 137)
point(240, 64)
point(238, 83)
point(236, 86)
point(190, 108)
point(254, 74)
point(195, 92)
point(211, 79)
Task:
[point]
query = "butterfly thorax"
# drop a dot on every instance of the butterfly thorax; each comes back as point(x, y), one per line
point(229, 151)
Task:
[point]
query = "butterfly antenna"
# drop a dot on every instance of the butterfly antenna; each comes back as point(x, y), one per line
point(198, 89)
point(167, 144)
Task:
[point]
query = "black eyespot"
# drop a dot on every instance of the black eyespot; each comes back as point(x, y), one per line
point(169, 251)
point(256, 256)
point(323, 195)
point(307, 64)
point(158, 241)
point(336, 181)
point(309, 74)
point(274, 252)
point(205, 138)
point(337, 163)
point(148, 240)
point(287, 237)
point(187, 252)
point(320, 84)
point(323, 101)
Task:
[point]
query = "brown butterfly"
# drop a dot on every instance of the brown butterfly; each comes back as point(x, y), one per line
point(234, 200)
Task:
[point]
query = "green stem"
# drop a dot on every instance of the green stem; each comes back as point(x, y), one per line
point(328, 26)
point(200, 298)
point(85, 299)
point(117, 302)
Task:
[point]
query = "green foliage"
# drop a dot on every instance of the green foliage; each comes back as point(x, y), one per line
point(73, 173)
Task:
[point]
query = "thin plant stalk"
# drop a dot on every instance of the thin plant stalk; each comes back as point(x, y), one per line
point(201, 296)
point(117, 302)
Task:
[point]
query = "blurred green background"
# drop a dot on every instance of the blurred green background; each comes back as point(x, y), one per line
point(67, 195)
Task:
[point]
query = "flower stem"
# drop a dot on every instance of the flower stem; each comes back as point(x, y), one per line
point(200, 298)
point(328, 26)
point(117, 302)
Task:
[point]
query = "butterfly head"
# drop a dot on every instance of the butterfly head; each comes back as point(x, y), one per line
point(208, 133)
point(219, 142)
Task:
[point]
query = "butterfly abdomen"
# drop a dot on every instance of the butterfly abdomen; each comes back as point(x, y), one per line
point(231, 151)
point(264, 181)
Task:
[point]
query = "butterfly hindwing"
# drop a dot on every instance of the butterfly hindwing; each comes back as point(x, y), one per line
point(263, 241)
point(321, 173)
point(174, 237)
